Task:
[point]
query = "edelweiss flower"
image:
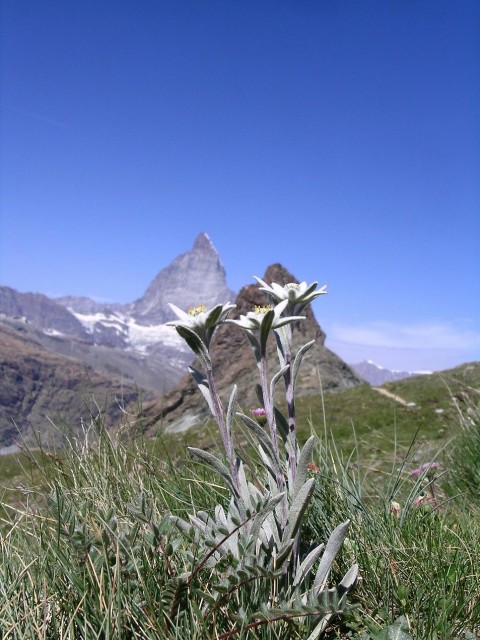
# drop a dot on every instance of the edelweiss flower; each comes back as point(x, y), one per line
point(262, 316)
point(199, 320)
point(297, 295)
point(257, 325)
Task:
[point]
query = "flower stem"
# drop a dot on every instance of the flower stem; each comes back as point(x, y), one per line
point(219, 416)
point(431, 488)
point(292, 429)
point(269, 410)
point(283, 338)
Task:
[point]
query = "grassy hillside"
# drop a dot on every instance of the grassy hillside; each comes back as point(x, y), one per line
point(361, 418)
point(375, 425)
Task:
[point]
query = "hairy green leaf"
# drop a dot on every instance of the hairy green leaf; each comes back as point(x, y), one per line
point(262, 514)
point(298, 360)
point(348, 581)
point(265, 327)
point(302, 465)
point(284, 553)
point(399, 630)
point(202, 385)
point(333, 546)
point(195, 343)
point(264, 439)
point(297, 509)
point(230, 409)
point(214, 462)
point(307, 564)
point(276, 378)
point(282, 424)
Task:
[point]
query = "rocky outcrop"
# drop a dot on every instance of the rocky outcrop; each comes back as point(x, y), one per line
point(234, 364)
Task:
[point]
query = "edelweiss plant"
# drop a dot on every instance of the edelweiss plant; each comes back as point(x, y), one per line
point(296, 297)
point(258, 537)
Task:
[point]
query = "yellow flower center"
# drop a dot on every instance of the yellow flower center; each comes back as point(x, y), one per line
point(195, 311)
point(264, 309)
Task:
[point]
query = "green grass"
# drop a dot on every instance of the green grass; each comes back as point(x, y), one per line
point(377, 427)
point(86, 550)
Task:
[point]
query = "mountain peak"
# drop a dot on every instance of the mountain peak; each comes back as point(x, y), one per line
point(279, 274)
point(203, 243)
point(194, 277)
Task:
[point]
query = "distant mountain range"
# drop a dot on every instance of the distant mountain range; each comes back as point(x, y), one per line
point(55, 352)
point(377, 375)
point(130, 341)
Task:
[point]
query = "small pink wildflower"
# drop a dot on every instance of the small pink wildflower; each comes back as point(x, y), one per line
point(427, 466)
point(423, 501)
point(313, 468)
point(260, 416)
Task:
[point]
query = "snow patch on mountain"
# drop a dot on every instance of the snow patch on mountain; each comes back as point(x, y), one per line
point(141, 337)
point(374, 364)
point(137, 337)
point(90, 320)
point(54, 333)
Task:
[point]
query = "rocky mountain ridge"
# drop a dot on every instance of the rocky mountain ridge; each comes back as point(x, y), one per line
point(41, 312)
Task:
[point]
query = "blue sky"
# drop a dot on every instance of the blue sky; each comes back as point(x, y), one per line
point(341, 138)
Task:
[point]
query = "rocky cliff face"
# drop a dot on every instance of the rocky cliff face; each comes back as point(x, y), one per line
point(234, 364)
point(39, 388)
point(195, 277)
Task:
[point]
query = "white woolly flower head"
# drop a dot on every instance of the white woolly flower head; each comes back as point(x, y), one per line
point(296, 293)
point(262, 315)
point(197, 325)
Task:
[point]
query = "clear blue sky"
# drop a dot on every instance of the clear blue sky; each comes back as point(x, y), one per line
point(341, 138)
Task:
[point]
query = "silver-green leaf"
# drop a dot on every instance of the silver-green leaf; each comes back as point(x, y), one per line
point(333, 546)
